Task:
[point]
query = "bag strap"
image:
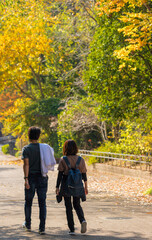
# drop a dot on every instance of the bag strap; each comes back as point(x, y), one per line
point(78, 162)
point(67, 161)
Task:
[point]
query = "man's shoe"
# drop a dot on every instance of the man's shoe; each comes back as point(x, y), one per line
point(27, 228)
point(83, 226)
point(71, 233)
point(42, 232)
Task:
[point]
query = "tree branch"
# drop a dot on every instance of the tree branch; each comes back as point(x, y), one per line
point(147, 6)
point(146, 62)
point(22, 91)
point(89, 13)
point(38, 79)
point(149, 48)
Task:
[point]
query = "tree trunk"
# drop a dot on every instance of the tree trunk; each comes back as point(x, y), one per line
point(116, 132)
point(103, 130)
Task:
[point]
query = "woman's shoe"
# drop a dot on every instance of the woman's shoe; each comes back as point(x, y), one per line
point(83, 226)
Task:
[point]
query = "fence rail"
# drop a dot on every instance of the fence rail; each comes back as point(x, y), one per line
point(122, 160)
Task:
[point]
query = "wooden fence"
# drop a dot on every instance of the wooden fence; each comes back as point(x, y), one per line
point(122, 160)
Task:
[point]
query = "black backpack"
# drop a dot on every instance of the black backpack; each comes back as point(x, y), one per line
point(74, 184)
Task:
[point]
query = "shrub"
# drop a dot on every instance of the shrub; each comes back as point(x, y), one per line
point(148, 191)
point(92, 160)
point(18, 154)
point(5, 149)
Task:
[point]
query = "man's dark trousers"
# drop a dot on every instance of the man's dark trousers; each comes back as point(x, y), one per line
point(39, 184)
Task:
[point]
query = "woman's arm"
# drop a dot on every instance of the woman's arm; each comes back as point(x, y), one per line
point(84, 177)
point(86, 187)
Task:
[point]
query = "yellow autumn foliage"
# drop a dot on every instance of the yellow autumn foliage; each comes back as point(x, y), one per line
point(23, 39)
point(138, 29)
point(110, 6)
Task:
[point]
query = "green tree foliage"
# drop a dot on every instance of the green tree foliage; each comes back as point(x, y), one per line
point(123, 92)
point(57, 53)
point(134, 140)
point(71, 38)
point(44, 68)
point(80, 122)
point(102, 77)
point(42, 113)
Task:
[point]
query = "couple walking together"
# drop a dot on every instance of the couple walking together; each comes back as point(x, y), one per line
point(38, 160)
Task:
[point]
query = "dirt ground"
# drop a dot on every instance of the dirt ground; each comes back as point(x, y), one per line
point(114, 210)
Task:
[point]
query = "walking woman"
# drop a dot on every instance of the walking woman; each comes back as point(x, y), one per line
point(70, 150)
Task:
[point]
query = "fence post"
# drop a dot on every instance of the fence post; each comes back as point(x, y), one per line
point(130, 163)
point(140, 163)
point(119, 160)
point(124, 161)
point(135, 162)
point(146, 164)
point(108, 159)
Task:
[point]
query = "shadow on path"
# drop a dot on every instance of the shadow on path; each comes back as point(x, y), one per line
point(6, 169)
point(17, 233)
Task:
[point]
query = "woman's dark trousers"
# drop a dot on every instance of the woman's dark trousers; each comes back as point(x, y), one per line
point(69, 212)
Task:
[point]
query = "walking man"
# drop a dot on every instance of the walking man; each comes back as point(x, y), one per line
point(38, 159)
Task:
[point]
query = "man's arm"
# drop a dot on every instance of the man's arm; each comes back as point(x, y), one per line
point(26, 172)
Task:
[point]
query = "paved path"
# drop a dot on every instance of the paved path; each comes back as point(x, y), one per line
point(109, 218)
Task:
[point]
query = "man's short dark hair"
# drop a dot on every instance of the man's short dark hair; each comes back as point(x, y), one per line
point(34, 133)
